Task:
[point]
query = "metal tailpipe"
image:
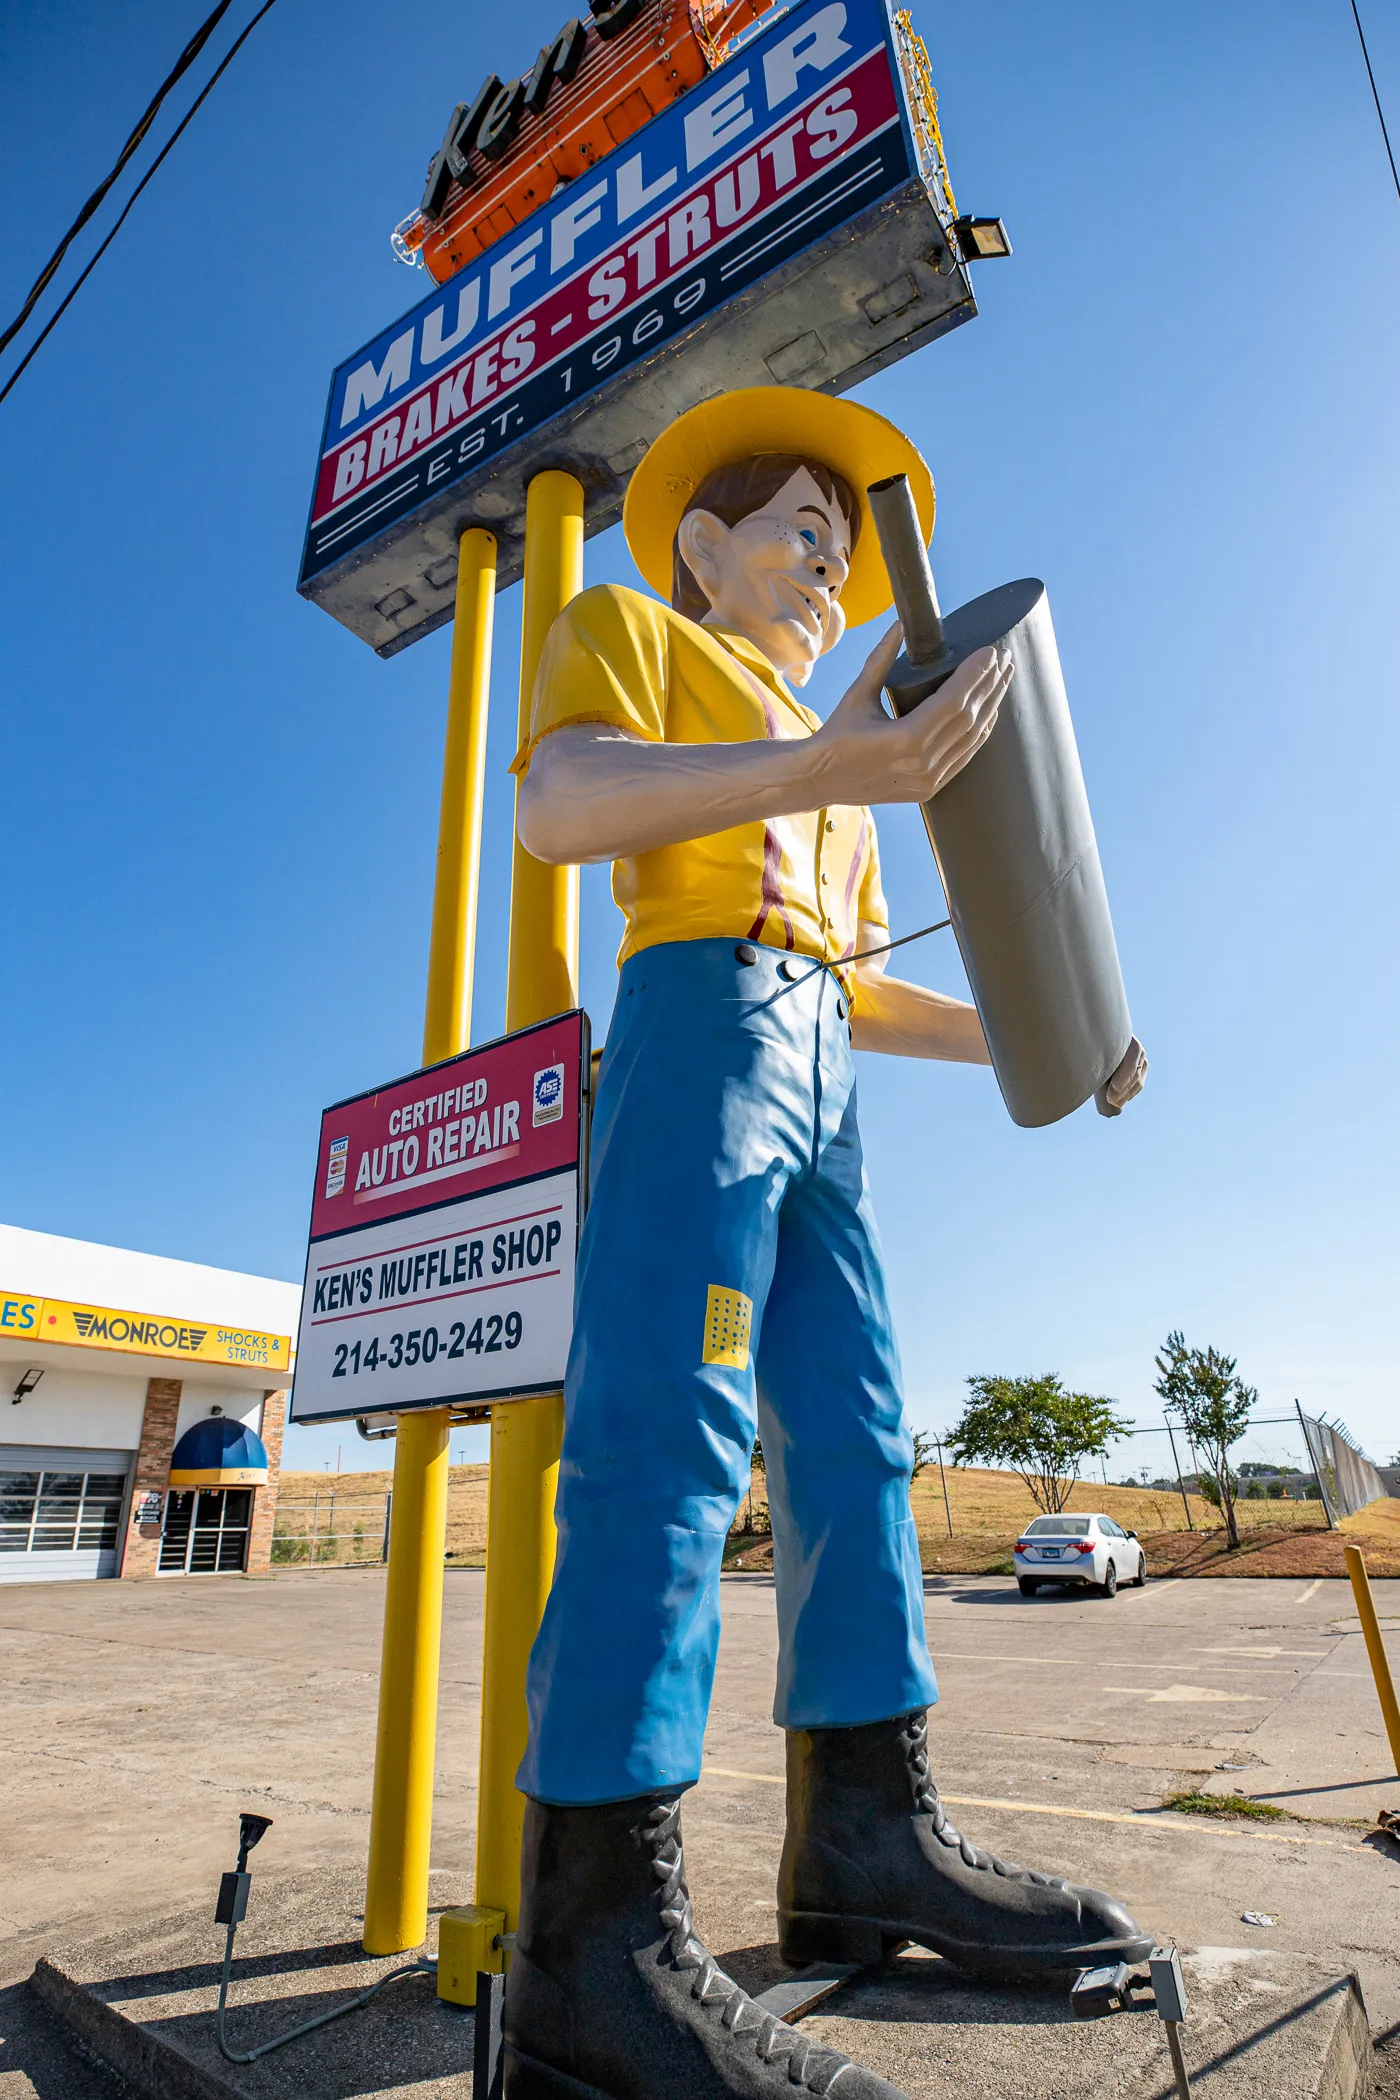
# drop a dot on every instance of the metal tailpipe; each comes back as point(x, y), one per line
point(1013, 838)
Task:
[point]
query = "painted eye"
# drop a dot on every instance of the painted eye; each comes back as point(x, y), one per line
point(809, 537)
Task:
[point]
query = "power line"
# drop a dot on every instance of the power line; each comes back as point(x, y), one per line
point(1375, 97)
point(182, 65)
point(201, 98)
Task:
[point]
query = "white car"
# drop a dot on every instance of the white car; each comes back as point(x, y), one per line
point(1090, 1550)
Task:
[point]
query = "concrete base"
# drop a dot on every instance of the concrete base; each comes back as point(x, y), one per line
point(143, 2002)
point(1264, 2025)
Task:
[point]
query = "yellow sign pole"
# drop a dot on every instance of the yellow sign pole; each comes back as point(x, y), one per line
point(401, 1819)
point(447, 1023)
point(1375, 1648)
point(525, 1437)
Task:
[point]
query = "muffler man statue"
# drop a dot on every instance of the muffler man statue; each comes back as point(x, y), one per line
point(731, 1281)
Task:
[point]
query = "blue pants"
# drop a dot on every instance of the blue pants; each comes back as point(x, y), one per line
point(725, 1153)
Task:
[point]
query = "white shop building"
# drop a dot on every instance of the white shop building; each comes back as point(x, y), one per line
point(141, 1409)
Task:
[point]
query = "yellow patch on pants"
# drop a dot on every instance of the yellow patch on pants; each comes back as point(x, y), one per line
point(728, 1319)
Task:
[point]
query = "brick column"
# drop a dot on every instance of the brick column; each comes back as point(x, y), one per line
point(141, 1546)
point(274, 1415)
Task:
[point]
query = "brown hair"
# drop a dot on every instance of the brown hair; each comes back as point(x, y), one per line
point(735, 492)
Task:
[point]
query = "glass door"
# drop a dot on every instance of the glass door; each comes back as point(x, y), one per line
point(206, 1531)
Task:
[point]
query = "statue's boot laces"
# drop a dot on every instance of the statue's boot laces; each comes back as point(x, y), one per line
point(611, 1994)
point(871, 1860)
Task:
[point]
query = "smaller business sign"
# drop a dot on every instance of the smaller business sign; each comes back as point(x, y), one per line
point(444, 1229)
point(82, 1326)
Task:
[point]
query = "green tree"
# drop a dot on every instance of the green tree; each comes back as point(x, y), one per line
point(1214, 1405)
point(924, 1448)
point(1037, 1429)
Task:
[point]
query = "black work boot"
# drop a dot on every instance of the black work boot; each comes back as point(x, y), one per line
point(871, 1860)
point(610, 1996)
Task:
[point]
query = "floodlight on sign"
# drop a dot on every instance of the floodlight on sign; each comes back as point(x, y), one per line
point(981, 240)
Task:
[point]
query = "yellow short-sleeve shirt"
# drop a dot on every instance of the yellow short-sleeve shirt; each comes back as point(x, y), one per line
point(804, 882)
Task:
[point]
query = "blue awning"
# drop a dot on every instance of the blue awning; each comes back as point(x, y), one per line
point(219, 1453)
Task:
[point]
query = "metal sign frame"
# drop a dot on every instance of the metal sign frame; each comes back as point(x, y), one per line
point(783, 222)
point(452, 1197)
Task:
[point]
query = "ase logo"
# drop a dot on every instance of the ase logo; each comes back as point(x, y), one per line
point(548, 1095)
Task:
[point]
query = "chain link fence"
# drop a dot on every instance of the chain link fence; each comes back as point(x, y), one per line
point(1277, 1478)
point(1295, 1472)
point(1154, 1481)
point(1346, 1478)
point(342, 1519)
point(338, 1525)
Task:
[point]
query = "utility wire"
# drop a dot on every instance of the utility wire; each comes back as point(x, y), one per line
point(202, 97)
point(1375, 97)
point(182, 65)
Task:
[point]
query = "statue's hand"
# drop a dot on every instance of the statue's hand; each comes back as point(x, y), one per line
point(863, 756)
point(1126, 1083)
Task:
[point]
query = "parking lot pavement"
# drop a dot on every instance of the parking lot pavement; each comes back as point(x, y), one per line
point(140, 1718)
point(1066, 1720)
point(1270, 1679)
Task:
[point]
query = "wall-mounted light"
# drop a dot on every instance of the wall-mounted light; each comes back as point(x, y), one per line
point(27, 1383)
point(981, 240)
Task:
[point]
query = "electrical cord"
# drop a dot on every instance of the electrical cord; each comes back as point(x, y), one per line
point(840, 962)
point(199, 100)
point(182, 65)
point(250, 2056)
point(903, 942)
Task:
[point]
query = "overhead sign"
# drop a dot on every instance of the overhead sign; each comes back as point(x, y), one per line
point(79, 1326)
point(443, 1232)
point(508, 148)
point(786, 220)
point(19, 1315)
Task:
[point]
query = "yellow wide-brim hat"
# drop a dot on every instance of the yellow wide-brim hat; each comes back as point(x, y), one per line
point(847, 438)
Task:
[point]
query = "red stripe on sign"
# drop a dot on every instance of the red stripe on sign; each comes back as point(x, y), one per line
point(471, 1290)
point(355, 1261)
point(803, 148)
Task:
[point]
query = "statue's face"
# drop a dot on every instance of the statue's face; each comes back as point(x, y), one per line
point(776, 576)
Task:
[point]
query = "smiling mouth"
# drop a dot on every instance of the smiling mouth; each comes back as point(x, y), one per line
point(817, 610)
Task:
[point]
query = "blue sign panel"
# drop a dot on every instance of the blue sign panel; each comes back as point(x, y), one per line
point(801, 132)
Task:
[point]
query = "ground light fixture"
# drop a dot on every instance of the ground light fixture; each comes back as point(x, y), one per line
point(981, 240)
point(1115, 1988)
point(231, 1910)
point(27, 1383)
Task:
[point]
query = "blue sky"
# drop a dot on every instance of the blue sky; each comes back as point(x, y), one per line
point(1178, 406)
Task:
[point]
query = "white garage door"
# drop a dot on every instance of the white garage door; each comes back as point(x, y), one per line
point(60, 1512)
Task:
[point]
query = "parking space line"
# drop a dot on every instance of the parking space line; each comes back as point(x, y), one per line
point(1099, 1662)
point(1311, 1591)
point(1088, 1815)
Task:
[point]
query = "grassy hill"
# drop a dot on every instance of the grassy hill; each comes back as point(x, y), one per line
point(348, 1509)
point(344, 1514)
